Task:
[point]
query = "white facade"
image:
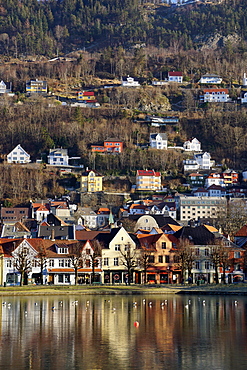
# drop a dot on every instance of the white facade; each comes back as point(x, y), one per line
point(192, 146)
point(130, 82)
point(215, 95)
point(203, 160)
point(158, 141)
point(210, 79)
point(58, 157)
point(18, 155)
point(214, 179)
point(190, 165)
point(200, 207)
point(175, 77)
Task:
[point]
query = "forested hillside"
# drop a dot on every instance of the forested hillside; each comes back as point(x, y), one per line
point(53, 26)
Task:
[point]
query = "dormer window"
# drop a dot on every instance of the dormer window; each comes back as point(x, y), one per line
point(62, 250)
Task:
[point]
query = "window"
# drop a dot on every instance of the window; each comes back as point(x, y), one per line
point(67, 263)
point(206, 252)
point(160, 259)
point(115, 261)
point(8, 263)
point(88, 263)
point(63, 250)
point(61, 263)
point(117, 247)
point(163, 245)
point(106, 261)
point(87, 251)
point(197, 265)
point(167, 259)
point(236, 254)
point(197, 251)
point(51, 263)
point(207, 265)
point(151, 259)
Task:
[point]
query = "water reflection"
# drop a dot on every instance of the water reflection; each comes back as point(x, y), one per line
point(98, 332)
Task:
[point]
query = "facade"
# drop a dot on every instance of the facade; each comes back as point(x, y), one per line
point(205, 207)
point(214, 179)
point(58, 157)
point(5, 87)
point(203, 160)
point(148, 180)
point(129, 82)
point(94, 220)
point(91, 181)
point(14, 214)
point(158, 141)
point(86, 97)
point(192, 146)
point(210, 79)
point(215, 96)
point(36, 87)
point(216, 191)
point(175, 77)
point(18, 155)
point(196, 180)
point(110, 146)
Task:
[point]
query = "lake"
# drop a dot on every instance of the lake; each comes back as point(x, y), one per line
point(123, 332)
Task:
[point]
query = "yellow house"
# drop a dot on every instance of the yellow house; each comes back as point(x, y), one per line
point(148, 180)
point(91, 181)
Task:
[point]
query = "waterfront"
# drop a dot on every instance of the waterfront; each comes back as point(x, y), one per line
point(102, 332)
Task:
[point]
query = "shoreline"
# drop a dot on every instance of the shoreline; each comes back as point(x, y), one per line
point(238, 289)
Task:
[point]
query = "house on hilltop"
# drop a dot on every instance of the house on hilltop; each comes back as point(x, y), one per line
point(158, 141)
point(58, 157)
point(175, 77)
point(18, 155)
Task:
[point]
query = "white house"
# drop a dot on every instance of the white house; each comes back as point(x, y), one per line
point(215, 96)
point(129, 82)
point(158, 141)
point(216, 191)
point(214, 179)
point(5, 87)
point(204, 160)
point(201, 161)
point(210, 79)
point(175, 77)
point(58, 157)
point(192, 146)
point(18, 155)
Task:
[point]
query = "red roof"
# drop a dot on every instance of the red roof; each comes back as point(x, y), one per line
point(148, 173)
point(175, 74)
point(215, 90)
point(88, 93)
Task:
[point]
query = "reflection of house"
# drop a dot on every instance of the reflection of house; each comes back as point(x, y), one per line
point(18, 155)
point(175, 77)
point(193, 146)
point(110, 146)
point(148, 180)
point(36, 87)
point(158, 141)
point(91, 181)
point(58, 157)
point(5, 87)
point(129, 82)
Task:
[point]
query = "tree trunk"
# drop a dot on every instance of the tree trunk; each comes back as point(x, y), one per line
point(76, 275)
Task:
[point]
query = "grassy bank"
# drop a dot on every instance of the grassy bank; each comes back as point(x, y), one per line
point(238, 289)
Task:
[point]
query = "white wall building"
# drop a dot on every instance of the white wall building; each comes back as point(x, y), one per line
point(18, 155)
point(192, 146)
point(210, 79)
point(201, 207)
point(130, 82)
point(58, 157)
point(158, 141)
point(175, 77)
point(215, 96)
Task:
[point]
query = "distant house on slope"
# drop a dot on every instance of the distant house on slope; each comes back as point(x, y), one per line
point(18, 155)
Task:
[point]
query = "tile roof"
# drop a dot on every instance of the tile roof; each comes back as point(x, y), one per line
point(148, 173)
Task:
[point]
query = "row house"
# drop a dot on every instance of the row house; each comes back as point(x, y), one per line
point(148, 180)
point(109, 146)
point(226, 178)
point(158, 141)
point(215, 95)
point(49, 262)
point(203, 239)
point(200, 207)
point(211, 191)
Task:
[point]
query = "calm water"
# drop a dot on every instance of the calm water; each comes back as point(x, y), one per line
point(99, 332)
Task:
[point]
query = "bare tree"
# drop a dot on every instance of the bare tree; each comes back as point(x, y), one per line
point(145, 258)
point(128, 259)
point(22, 263)
point(218, 258)
point(185, 257)
point(94, 256)
point(76, 258)
point(42, 261)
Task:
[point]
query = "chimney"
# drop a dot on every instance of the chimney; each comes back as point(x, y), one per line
point(52, 234)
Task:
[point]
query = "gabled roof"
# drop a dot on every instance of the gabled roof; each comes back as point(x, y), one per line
point(199, 235)
point(162, 135)
point(242, 231)
point(19, 147)
point(175, 74)
point(87, 235)
point(215, 90)
point(86, 173)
